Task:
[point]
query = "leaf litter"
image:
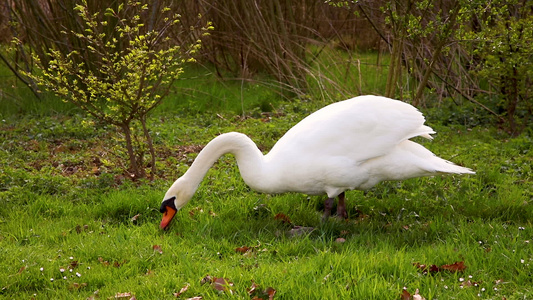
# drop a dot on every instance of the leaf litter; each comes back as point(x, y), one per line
point(458, 266)
point(407, 296)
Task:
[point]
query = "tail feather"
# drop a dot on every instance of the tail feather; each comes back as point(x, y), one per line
point(448, 167)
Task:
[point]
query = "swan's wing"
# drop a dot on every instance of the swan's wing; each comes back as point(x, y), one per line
point(359, 129)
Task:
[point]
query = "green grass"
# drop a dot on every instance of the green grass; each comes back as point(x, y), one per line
point(50, 218)
point(65, 205)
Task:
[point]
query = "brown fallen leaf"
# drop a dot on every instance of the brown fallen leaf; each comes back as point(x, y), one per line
point(470, 283)
point(417, 296)
point(206, 279)
point(22, 269)
point(434, 269)
point(135, 218)
point(158, 248)
point(243, 249)
point(405, 295)
point(222, 284)
point(182, 290)
point(455, 267)
point(218, 283)
point(103, 262)
point(283, 218)
point(124, 295)
point(340, 240)
point(257, 294)
point(73, 264)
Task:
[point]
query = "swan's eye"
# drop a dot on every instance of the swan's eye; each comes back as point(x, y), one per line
point(168, 203)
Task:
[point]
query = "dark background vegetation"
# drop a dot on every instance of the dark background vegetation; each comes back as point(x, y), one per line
point(464, 51)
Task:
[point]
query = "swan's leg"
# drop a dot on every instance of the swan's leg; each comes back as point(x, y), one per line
point(341, 207)
point(328, 205)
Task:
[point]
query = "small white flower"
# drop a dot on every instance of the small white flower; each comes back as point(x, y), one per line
point(521, 228)
point(461, 279)
point(78, 274)
point(71, 258)
point(61, 270)
point(470, 276)
point(88, 268)
point(482, 289)
point(495, 288)
point(52, 279)
point(522, 261)
point(41, 269)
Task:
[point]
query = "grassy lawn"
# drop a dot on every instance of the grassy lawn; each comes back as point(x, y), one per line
point(71, 225)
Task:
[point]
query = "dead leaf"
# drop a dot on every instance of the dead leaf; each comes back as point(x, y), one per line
point(195, 298)
point(134, 218)
point(499, 281)
point(434, 269)
point(158, 248)
point(222, 284)
point(206, 279)
point(417, 296)
point(73, 264)
point(340, 240)
point(243, 249)
point(182, 290)
point(455, 267)
point(22, 269)
point(103, 262)
point(219, 284)
point(123, 295)
point(405, 295)
point(256, 294)
point(470, 283)
point(283, 218)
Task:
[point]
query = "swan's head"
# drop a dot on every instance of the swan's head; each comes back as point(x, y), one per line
point(176, 197)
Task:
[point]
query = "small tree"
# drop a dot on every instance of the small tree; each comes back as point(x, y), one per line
point(124, 72)
point(499, 36)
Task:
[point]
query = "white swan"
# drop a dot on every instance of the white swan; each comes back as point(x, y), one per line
point(352, 144)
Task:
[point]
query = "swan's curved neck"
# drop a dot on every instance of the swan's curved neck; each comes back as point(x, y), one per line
point(249, 159)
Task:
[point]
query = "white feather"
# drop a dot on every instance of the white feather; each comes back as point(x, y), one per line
point(353, 144)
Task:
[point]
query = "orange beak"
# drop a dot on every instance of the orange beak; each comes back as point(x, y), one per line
point(168, 215)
